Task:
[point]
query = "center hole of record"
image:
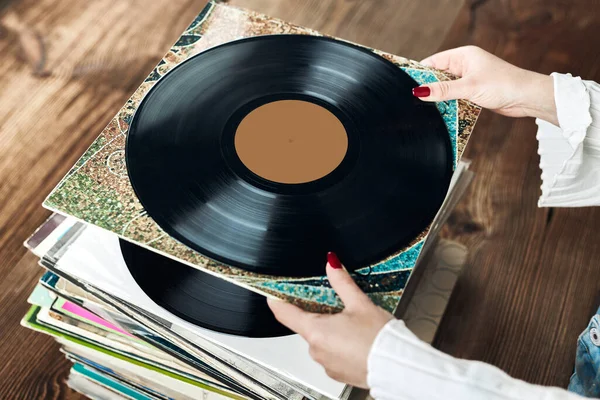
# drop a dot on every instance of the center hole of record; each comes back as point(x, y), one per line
point(291, 141)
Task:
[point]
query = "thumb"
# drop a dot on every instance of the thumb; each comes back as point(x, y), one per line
point(445, 90)
point(343, 284)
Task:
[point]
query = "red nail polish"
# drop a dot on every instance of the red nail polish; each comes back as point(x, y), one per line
point(334, 261)
point(421, 91)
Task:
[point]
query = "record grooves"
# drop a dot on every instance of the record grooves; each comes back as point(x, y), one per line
point(184, 168)
point(200, 298)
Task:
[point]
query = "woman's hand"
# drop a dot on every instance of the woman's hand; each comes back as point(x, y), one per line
point(491, 83)
point(339, 342)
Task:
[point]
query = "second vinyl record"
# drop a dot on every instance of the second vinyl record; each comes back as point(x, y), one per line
point(199, 298)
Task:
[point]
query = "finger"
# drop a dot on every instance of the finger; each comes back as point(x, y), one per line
point(291, 316)
point(445, 90)
point(343, 284)
point(453, 61)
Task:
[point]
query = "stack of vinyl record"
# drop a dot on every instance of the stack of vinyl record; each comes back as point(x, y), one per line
point(225, 179)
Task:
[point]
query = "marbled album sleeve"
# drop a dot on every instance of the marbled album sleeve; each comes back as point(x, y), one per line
point(97, 189)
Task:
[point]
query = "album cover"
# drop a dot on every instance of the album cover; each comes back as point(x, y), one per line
point(199, 358)
point(423, 314)
point(148, 381)
point(124, 344)
point(94, 257)
point(97, 189)
point(61, 239)
point(37, 319)
point(118, 386)
point(142, 380)
point(111, 338)
point(188, 347)
point(89, 388)
point(422, 317)
point(204, 357)
point(138, 348)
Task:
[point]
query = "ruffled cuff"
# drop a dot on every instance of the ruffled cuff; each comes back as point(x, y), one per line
point(569, 153)
point(573, 107)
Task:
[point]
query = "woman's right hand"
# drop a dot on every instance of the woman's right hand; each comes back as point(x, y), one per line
point(491, 83)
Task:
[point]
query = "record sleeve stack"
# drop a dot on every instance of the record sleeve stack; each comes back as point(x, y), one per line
point(219, 184)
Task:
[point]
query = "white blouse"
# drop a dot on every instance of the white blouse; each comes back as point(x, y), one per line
point(403, 367)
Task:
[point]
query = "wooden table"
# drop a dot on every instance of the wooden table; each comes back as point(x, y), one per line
point(531, 282)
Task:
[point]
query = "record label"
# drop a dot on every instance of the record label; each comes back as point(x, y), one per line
point(291, 141)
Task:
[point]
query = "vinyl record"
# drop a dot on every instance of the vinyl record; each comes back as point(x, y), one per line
point(200, 298)
point(185, 168)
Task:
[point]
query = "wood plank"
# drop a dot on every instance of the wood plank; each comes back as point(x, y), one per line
point(531, 282)
point(96, 53)
point(68, 66)
point(410, 28)
point(32, 367)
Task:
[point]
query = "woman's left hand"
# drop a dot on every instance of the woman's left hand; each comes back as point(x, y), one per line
point(339, 342)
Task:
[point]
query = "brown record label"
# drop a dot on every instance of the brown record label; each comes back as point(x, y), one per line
point(291, 141)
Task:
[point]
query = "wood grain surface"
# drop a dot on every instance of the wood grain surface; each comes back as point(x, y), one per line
point(531, 284)
point(66, 67)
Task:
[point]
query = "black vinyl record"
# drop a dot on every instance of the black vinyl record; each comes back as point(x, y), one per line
point(184, 169)
point(200, 298)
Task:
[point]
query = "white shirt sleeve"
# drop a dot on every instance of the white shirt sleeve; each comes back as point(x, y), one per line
point(570, 154)
point(401, 366)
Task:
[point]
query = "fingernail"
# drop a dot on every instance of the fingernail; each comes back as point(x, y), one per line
point(421, 91)
point(334, 261)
